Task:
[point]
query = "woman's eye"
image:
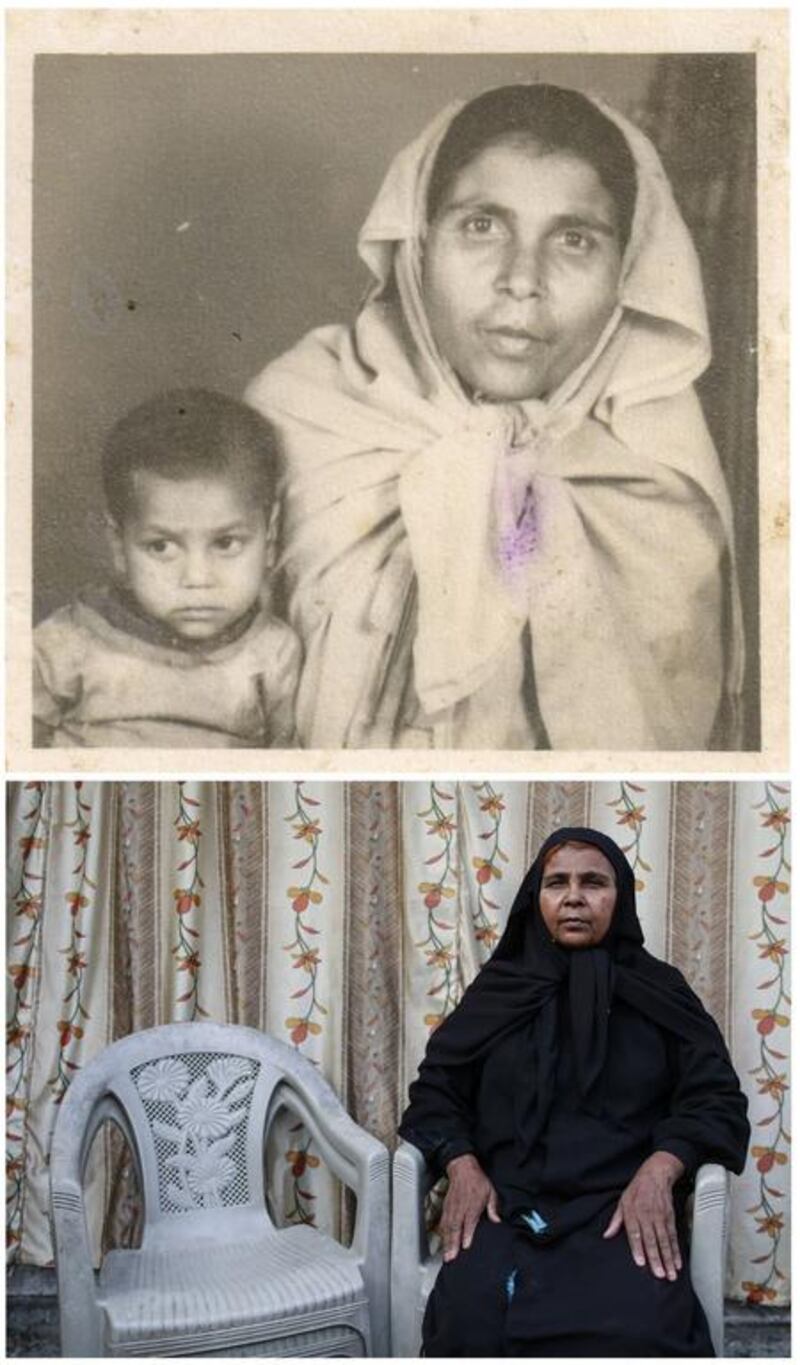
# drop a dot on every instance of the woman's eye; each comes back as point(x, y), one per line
point(482, 225)
point(574, 239)
point(160, 548)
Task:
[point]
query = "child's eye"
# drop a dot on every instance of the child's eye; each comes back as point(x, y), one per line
point(161, 548)
point(229, 545)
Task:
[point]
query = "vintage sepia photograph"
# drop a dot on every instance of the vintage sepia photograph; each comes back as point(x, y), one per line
point(398, 403)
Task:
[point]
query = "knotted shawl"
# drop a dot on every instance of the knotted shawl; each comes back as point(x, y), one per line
point(402, 494)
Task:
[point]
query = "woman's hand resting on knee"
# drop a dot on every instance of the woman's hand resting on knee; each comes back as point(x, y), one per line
point(647, 1212)
point(469, 1194)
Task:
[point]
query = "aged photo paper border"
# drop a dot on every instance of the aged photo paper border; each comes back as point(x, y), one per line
point(151, 32)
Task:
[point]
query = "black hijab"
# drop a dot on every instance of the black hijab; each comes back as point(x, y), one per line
point(520, 987)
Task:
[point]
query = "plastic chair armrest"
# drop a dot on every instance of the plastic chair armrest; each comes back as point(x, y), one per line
point(709, 1245)
point(361, 1162)
point(356, 1157)
point(413, 1267)
point(411, 1181)
point(84, 1109)
point(79, 1313)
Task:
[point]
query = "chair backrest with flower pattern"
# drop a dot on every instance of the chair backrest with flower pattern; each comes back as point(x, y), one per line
point(197, 1107)
point(192, 1101)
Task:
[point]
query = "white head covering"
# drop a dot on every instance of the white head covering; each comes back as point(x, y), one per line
point(399, 482)
point(660, 281)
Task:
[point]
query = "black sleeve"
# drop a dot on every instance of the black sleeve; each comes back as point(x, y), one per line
point(439, 1118)
point(707, 1118)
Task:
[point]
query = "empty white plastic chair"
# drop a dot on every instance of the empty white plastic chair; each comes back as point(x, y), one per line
point(414, 1269)
point(214, 1275)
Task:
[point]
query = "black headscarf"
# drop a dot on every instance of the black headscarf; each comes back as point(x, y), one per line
point(519, 989)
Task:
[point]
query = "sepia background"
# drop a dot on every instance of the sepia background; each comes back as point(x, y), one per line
point(347, 919)
point(195, 215)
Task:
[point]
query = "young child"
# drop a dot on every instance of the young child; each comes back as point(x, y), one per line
point(182, 650)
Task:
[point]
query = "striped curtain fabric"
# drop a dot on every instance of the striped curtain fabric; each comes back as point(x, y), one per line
point(346, 918)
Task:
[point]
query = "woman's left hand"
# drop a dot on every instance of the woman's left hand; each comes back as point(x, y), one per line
point(647, 1211)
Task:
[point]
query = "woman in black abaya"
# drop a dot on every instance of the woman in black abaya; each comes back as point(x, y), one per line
point(570, 1099)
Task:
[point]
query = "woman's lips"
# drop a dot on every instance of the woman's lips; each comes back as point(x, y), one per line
point(512, 343)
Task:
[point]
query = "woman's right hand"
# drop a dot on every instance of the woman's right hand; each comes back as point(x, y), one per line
point(469, 1194)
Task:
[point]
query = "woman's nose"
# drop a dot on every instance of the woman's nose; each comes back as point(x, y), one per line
point(574, 892)
point(522, 274)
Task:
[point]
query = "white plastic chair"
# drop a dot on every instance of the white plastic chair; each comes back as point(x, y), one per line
point(213, 1275)
point(414, 1269)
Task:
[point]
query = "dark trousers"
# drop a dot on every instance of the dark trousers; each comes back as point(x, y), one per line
point(581, 1296)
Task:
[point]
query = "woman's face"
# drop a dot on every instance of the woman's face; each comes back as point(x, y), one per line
point(520, 270)
point(578, 895)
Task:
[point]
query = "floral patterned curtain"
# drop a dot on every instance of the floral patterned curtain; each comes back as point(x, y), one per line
point(346, 919)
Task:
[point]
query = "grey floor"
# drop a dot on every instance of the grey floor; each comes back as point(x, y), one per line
point(32, 1321)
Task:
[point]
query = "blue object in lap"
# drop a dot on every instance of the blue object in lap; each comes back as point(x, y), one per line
point(535, 1221)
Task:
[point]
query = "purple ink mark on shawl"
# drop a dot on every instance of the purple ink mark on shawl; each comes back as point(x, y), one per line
point(518, 537)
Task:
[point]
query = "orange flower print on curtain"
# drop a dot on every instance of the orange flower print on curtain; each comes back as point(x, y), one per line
point(79, 899)
point(188, 896)
point(770, 1150)
point(306, 896)
point(487, 868)
point(26, 863)
point(632, 815)
point(439, 899)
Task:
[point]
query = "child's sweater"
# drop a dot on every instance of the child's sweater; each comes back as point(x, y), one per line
point(106, 677)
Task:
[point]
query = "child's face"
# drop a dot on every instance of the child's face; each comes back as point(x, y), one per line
point(193, 552)
point(521, 268)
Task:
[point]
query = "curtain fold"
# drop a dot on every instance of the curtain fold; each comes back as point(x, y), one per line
point(346, 918)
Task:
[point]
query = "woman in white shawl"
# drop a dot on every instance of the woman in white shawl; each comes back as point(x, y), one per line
point(505, 524)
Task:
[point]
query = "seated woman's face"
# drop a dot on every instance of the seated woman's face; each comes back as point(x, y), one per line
point(520, 271)
point(578, 895)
